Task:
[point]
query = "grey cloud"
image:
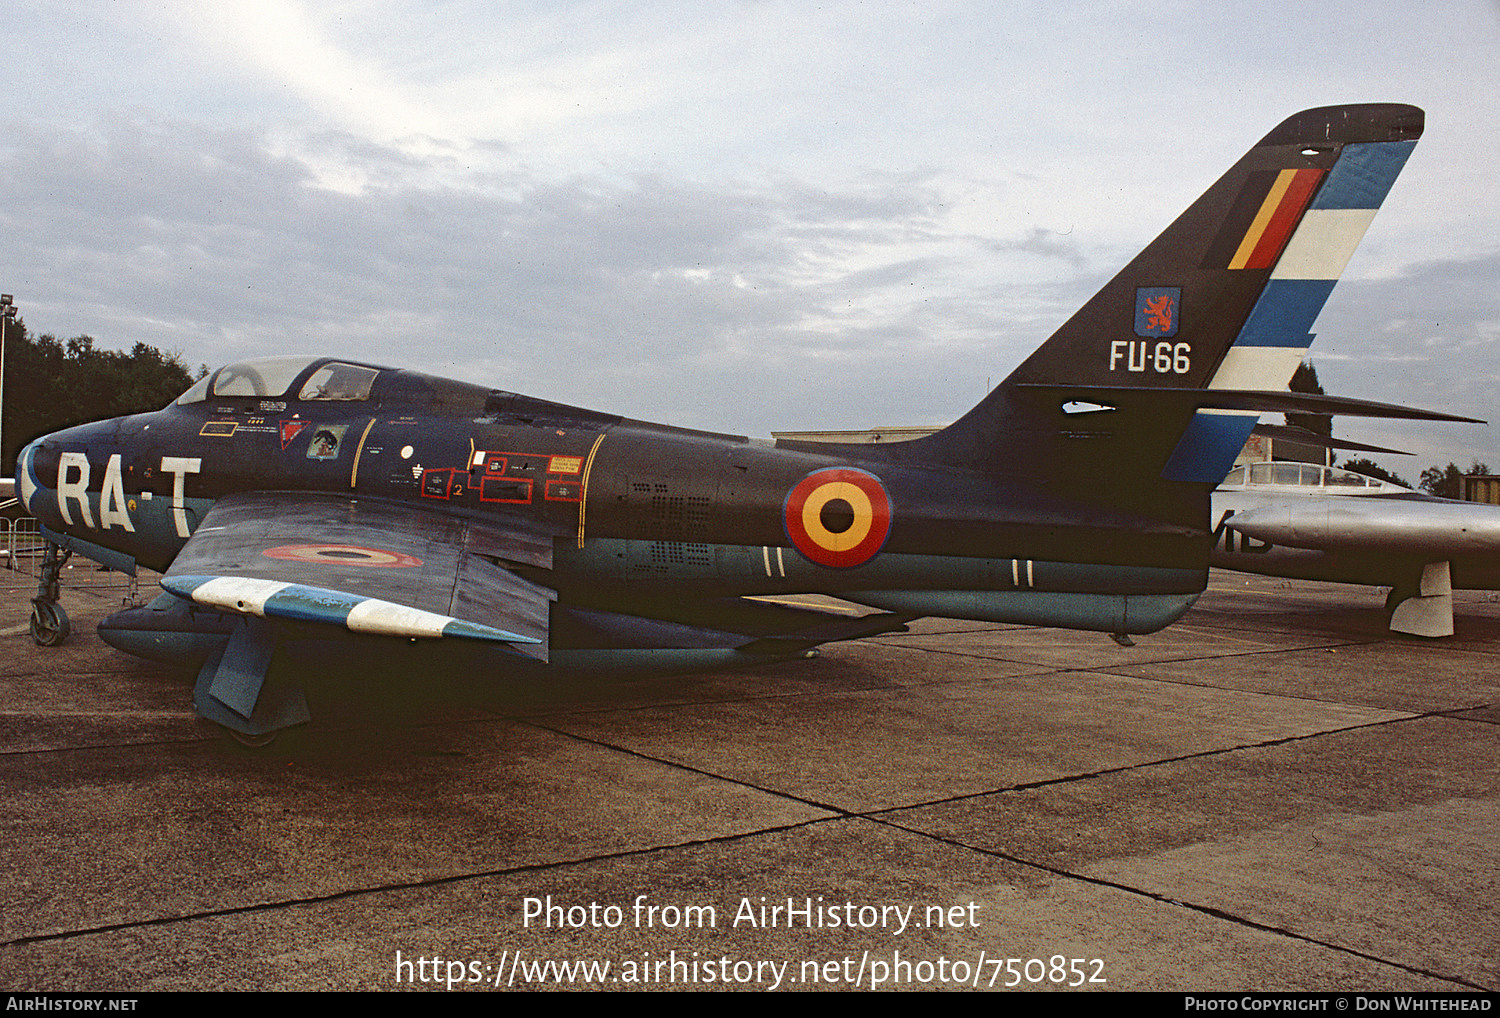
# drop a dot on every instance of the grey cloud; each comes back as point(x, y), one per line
point(742, 306)
point(1428, 337)
point(1047, 243)
point(206, 242)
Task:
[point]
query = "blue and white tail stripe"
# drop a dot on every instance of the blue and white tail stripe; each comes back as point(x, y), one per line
point(295, 602)
point(1276, 335)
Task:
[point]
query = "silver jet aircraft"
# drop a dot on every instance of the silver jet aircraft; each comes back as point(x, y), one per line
point(1311, 522)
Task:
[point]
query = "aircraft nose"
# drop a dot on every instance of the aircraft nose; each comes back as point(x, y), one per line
point(26, 483)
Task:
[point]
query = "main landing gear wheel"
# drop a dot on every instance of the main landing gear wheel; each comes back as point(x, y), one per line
point(49, 623)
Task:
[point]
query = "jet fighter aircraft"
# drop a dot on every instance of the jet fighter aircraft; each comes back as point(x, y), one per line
point(1326, 523)
point(291, 499)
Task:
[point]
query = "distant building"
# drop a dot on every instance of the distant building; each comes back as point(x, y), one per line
point(1480, 488)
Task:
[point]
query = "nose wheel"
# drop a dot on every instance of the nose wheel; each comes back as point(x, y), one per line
point(49, 623)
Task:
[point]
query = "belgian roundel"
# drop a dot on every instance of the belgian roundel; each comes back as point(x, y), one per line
point(343, 555)
point(839, 517)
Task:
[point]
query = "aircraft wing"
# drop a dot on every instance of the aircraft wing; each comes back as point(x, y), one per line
point(369, 566)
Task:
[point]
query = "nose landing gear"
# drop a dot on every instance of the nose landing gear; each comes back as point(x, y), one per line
point(49, 623)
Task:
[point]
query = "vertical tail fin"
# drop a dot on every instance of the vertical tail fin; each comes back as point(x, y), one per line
point(1224, 298)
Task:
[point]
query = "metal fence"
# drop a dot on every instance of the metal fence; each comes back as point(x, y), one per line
point(22, 545)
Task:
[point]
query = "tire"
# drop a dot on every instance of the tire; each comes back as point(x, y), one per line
point(49, 624)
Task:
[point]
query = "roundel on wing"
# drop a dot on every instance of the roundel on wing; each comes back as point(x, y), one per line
point(343, 555)
point(839, 517)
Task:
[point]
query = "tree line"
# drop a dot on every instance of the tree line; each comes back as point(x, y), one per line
point(1444, 482)
point(52, 384)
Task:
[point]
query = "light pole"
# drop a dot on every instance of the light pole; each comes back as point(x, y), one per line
point(7, 315)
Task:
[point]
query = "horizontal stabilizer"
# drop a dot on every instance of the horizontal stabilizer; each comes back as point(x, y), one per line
point(1262, 401)
point(1289, 433)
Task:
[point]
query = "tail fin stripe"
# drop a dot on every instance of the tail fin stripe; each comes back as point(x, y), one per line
point(1304, 272)
point(1363, 175)
point(1278, 215)
point(1319, 249)
point(1200, 453)
point(1283, 316)
point(1278, 332)
point(1238, 219)
point(1323, 244)
point(1262, 219)
point(1247, 367)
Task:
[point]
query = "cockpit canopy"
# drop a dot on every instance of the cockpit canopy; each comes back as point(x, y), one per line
point(1304, 475)
point(274, 377)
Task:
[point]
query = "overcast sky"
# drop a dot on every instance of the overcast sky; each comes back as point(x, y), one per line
point(743, 215)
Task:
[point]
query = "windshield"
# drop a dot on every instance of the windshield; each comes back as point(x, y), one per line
point(198, 393)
